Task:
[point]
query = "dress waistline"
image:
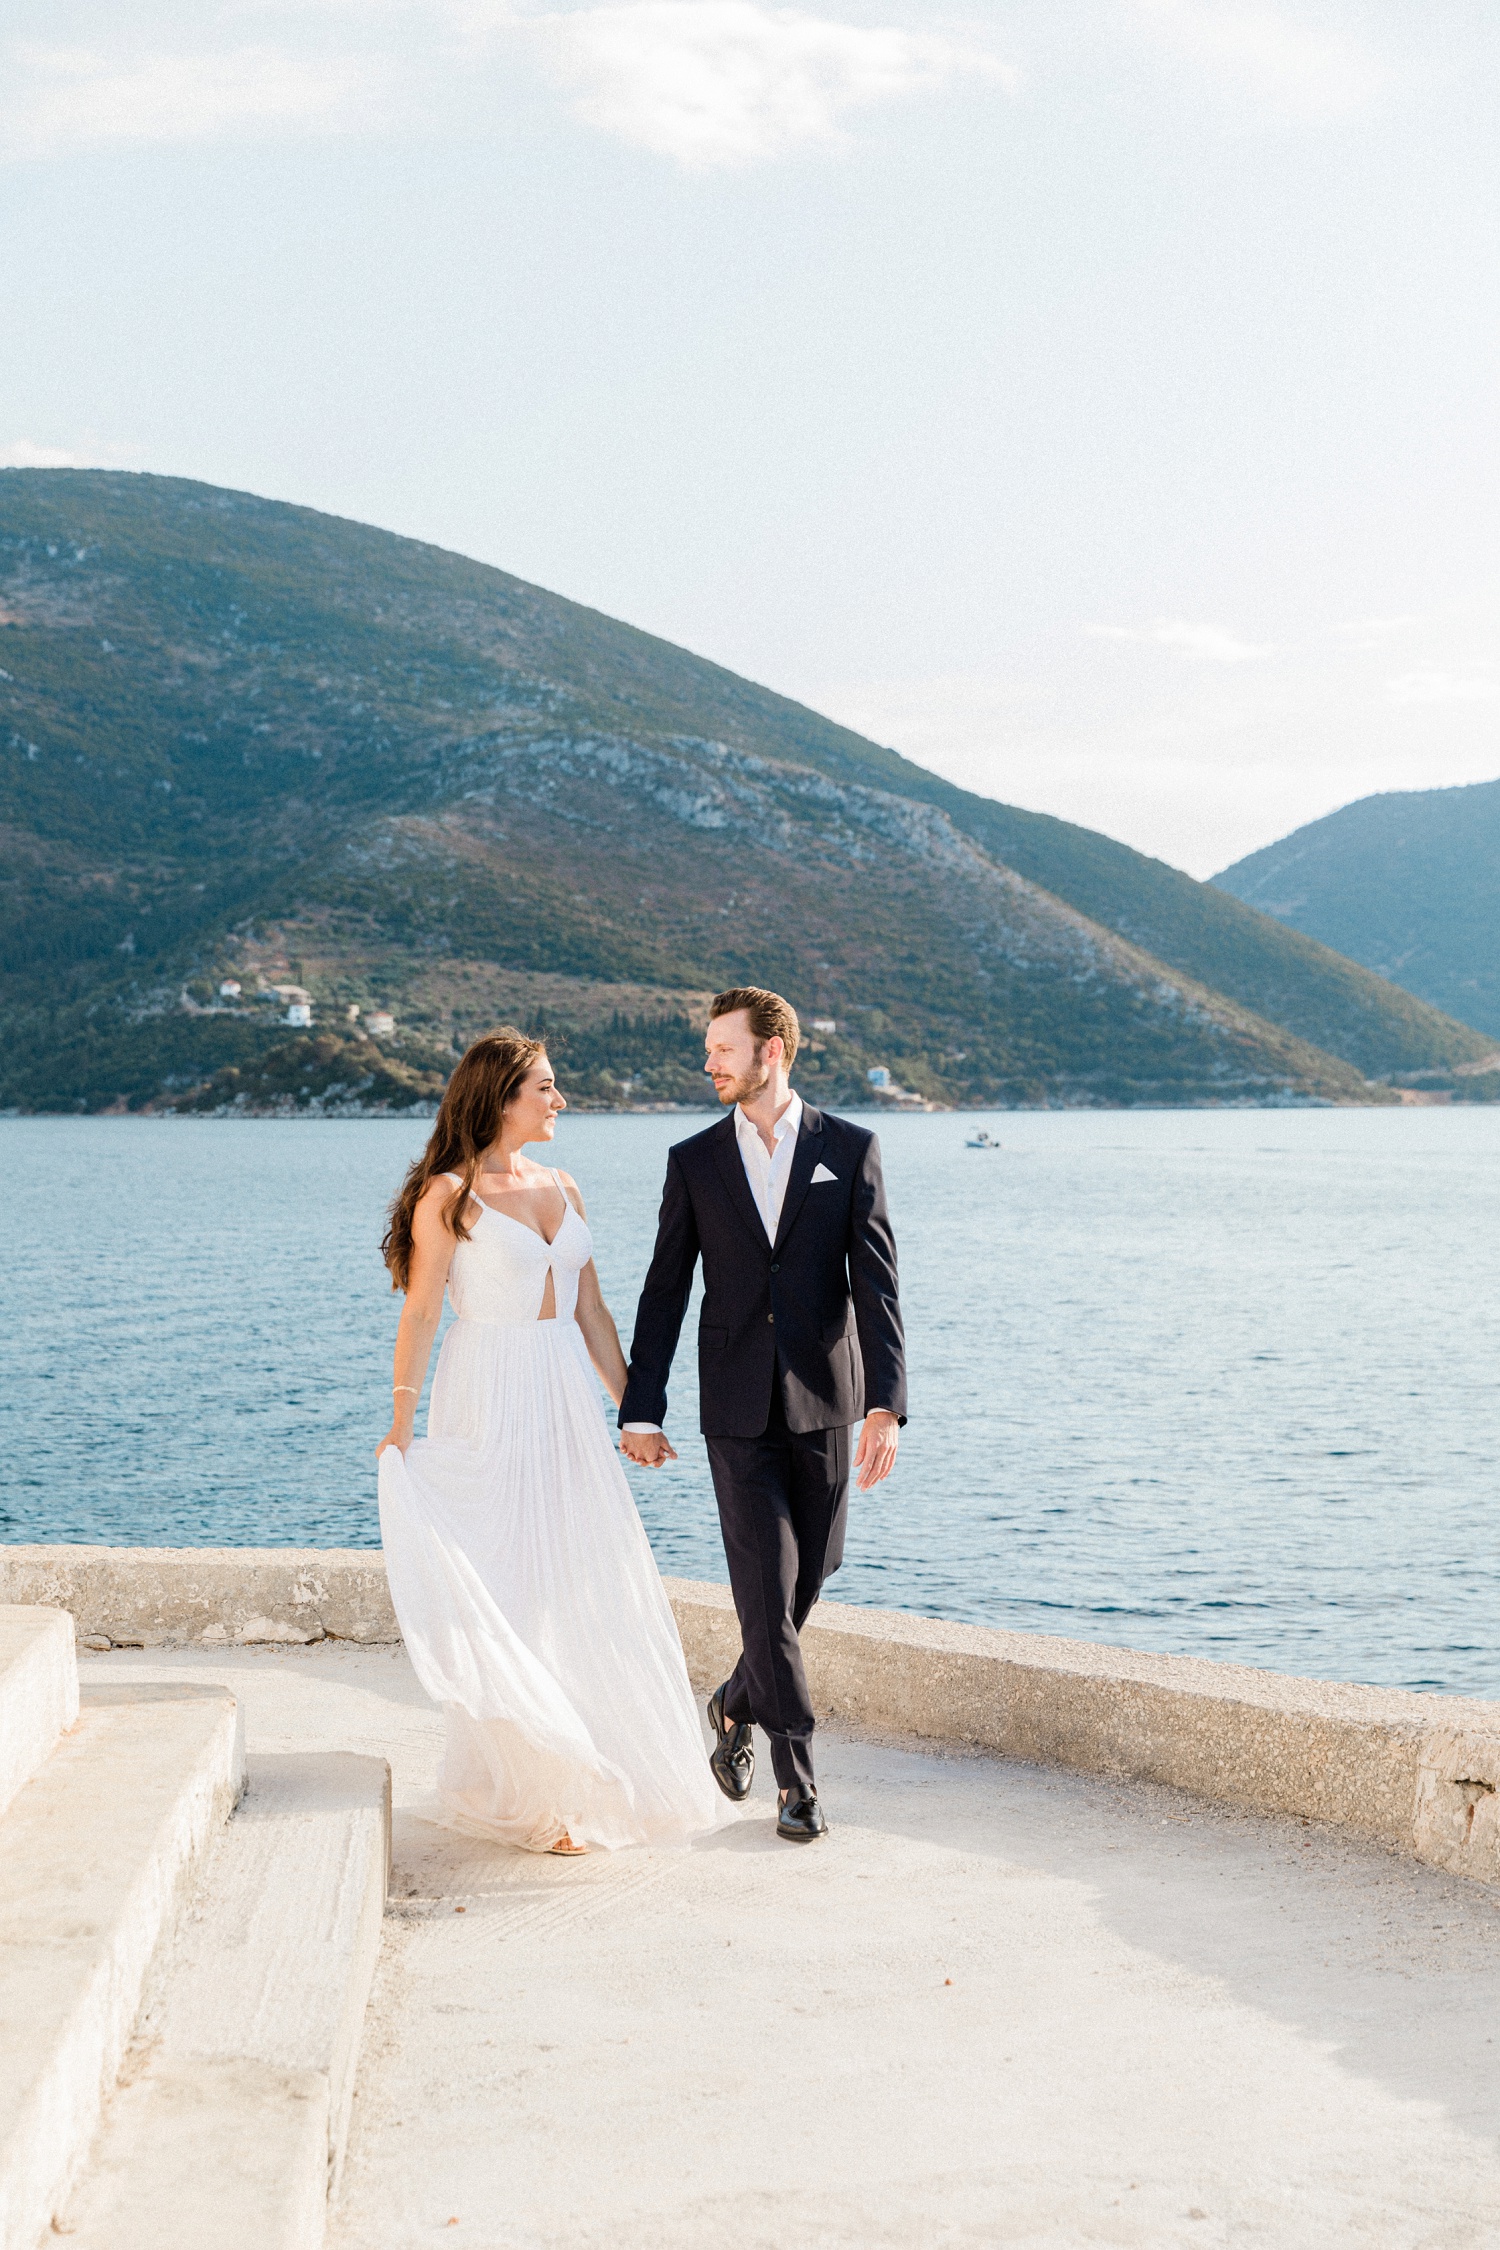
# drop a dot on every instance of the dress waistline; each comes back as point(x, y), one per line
point(558, 1320)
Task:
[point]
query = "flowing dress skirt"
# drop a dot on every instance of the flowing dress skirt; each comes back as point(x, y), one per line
point(532, 1608)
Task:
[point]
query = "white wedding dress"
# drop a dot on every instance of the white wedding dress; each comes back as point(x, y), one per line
point(523, 1581)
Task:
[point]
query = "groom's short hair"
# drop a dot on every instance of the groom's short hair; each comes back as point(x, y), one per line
point(771, 1017)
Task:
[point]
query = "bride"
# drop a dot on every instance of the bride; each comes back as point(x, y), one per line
point(523, 1582)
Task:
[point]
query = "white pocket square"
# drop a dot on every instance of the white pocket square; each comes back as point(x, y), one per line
point(821, 1172)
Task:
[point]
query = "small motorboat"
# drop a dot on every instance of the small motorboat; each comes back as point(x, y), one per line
point(981, 1139)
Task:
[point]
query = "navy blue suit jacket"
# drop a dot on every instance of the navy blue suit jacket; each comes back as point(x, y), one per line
point(822, 1299)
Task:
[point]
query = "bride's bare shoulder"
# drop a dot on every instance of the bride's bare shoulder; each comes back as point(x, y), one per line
point(431, 1212)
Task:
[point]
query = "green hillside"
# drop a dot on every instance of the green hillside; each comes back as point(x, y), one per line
point(244, 741)
point(1407, 882)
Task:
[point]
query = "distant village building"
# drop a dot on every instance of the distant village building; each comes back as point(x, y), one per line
point(300, 1014)
point(295, 995)
point(899, 1097)
point(229, 989)
point(352, 1012)
point(825, 1023)
point(380, 1023)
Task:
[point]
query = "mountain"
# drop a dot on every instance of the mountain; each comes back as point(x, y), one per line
point(1407, 882)
point(244, 742)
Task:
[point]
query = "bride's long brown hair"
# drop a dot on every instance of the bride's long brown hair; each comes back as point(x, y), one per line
point(467, 1123)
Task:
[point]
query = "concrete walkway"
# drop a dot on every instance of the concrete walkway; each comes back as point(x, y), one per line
point(1000, 2005)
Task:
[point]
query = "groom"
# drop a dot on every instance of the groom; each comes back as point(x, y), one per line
point(799, 1337)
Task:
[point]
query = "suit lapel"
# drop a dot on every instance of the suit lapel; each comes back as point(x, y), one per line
point(731, 1170)
point(804, 1161)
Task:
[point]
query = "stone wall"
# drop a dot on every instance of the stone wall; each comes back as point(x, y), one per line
point(1421, 1772)
point(165, 1597)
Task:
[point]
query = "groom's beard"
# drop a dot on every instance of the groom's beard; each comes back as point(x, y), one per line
point(755, 1081)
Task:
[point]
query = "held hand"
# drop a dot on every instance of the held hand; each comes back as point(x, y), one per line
point(878, 1441)
point(398, 1435)
point(647, 1448)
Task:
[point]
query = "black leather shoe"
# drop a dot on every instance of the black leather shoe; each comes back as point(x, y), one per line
point(732, 1760)
point(800, 1819)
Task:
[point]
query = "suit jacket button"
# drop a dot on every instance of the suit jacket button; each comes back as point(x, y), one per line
point(774, 1267)
point(771, 1317)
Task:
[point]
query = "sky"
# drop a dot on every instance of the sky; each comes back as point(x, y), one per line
point(1095, 402)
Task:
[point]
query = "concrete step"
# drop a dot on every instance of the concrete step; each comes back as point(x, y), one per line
point(233, 2130)
point(96, 1854)
point(38, 1691)
point(225, 2155)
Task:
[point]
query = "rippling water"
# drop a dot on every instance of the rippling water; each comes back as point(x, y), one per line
point(1214, 1382)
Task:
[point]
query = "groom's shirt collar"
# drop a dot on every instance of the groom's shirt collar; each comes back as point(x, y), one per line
point(785, 1125)
point(766, 1172)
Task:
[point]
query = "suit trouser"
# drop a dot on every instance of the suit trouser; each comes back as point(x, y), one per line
point(783, 1499)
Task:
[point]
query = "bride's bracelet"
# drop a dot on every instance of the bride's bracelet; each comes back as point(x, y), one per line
point(407, 1387)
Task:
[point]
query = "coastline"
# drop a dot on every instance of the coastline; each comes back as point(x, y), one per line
point(353, 1113)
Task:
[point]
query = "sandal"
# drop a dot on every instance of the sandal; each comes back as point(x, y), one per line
point(565, 1848)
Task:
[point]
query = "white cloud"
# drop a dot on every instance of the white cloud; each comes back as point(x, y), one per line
point(1210, 643)
point(1442, 687)
point(707, 82)
point(1267, 53)
point(729, 82)
point(71, 97)
point(22, 454)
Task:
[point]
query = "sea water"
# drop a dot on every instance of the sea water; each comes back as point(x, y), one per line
point(1224, 1383)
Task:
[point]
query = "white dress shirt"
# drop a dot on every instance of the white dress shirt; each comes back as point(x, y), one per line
point(767, 1172)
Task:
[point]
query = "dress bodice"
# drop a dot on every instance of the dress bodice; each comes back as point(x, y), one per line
point(499, 1276)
